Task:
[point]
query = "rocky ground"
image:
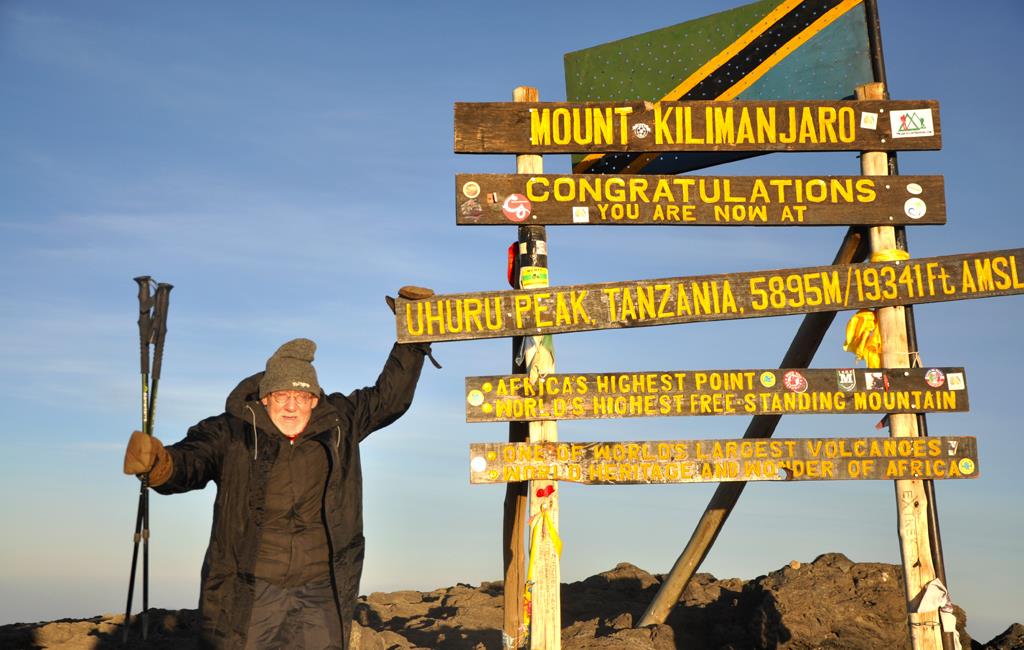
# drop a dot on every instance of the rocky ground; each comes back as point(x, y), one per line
point(829, 603)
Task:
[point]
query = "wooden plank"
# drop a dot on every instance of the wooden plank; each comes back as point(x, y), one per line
point(703, 461)
point(715, 392)
point(709, 297)
point(598, 127)
point(607, 200)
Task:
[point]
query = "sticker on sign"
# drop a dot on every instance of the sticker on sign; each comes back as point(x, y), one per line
point(912, 123)
point(516, 208)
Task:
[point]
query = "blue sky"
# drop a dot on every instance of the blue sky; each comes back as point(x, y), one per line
point(286, 168)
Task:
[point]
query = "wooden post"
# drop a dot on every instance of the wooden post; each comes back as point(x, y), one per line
point(514, 632)
point(911, 500)
point(799, 355)
point(538, 355)
point(514, 629)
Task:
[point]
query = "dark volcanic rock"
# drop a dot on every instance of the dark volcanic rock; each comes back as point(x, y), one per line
point(829, 603)
point(1011, 639)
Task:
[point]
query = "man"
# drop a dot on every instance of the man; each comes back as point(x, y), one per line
point(286, 547)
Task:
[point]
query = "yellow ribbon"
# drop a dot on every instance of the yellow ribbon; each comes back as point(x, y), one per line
point(541, 517)
point(863, 337)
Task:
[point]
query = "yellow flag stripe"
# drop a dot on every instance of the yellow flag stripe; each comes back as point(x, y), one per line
point(701, 73)
point(754, 75)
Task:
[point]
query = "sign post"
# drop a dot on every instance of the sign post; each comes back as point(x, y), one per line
point(542, 597)
point(911, 500)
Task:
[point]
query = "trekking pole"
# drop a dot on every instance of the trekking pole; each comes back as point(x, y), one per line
point(163, 291)
point(152, 331)
point(145, 335)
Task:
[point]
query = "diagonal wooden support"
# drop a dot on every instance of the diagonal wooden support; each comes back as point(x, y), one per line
point(799, 355)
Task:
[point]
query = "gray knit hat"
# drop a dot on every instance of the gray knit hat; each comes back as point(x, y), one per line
point(291, 368)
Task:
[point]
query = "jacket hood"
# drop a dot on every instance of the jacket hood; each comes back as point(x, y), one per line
point(244, 403)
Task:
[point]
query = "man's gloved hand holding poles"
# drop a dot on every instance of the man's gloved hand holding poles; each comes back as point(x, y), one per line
point(147, 454)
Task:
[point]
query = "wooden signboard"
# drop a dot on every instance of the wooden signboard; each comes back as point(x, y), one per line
point(702, 461)
point(709, 297)
point(715, 392)
point(598, 127)
point(598, 199)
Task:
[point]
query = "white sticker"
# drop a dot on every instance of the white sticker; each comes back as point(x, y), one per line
point(522, 248)
point(915, 208)
point(541, 247)
point(641, 130)
point(475, 398)
point(914, 188)
point(869, 121)
point(580, 214)
point(955, 380)
point(912, 123)
point(471, 189)
point(478, 464)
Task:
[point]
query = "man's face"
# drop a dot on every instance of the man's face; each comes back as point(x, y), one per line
point(289, 410)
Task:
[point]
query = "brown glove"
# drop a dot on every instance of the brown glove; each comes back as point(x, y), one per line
point(147, 454)
point(409, 292)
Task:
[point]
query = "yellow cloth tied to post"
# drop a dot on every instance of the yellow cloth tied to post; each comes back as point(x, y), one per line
point(541, 520)
point(863, 338)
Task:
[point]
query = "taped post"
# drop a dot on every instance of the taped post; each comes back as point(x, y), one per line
point(532, 602)
point(514, 627)
point(911, 498)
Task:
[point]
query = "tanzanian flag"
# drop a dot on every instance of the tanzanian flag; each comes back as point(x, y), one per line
point(773, 49)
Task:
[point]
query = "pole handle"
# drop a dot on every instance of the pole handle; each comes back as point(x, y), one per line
point(163, 291)
point(145, 320)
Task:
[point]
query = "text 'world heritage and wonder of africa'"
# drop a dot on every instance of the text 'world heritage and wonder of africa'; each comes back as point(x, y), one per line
point(695, 461)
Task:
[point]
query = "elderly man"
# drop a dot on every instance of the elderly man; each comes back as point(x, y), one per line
point(286, 549)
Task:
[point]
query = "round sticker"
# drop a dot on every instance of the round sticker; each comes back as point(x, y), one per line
point(914, 188)
point(475, 398)
point(915, 208)
point(934, 378)
point(486, 408)
point(516, 208)
point(487, 387)
point(641, 130)
point(767, 379)
point(966, 466)
point(478, 464)
point(794, 381)
point(471, 189)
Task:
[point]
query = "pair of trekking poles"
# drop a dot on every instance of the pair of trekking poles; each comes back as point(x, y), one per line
point(152, 332)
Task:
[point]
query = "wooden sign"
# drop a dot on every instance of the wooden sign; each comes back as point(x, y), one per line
point(597, 127)
point(598, 199)
point(715, 392)
point(665, 301)
point(703, 461)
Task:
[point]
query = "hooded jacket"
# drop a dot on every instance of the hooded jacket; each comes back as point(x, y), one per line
point(237, 450)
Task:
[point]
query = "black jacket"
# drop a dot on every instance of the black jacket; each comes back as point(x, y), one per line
point(236, 450)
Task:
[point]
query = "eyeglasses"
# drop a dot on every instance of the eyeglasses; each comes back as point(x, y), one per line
point(301, 398)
